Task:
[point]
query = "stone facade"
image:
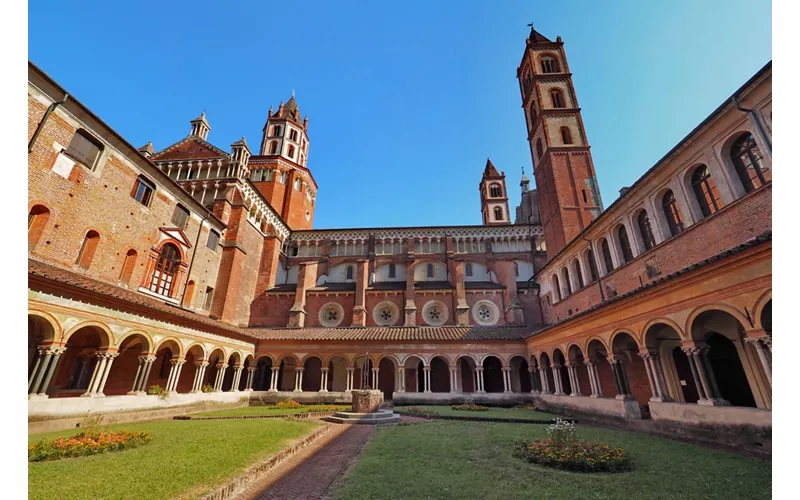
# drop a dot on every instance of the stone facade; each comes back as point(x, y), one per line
point(197, 269)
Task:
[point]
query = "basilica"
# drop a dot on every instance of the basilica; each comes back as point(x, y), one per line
point(196, 268)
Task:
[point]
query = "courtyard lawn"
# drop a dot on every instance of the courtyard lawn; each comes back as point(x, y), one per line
point(464, 460)
point(248, 411)
point(184, 459)
point(491, 412)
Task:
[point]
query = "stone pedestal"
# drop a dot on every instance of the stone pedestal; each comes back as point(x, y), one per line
point(366, 401)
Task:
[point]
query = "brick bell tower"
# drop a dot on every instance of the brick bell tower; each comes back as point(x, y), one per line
point(569, 197)
point(279, 171)
point(494, 197)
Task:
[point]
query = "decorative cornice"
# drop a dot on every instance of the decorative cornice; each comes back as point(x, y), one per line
point(485, 232)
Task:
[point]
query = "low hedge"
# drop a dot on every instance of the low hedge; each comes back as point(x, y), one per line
point(469, 407)
point(85, 444)
point(578, 456)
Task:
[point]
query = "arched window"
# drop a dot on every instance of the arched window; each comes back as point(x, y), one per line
point(557, 97)
point(516, 270)
point(566, 136)
point(592, 265)
point(128, 266)
point(468, 269)
point(495, 191)
point(607, 261)
point(298, 185)
point(88, 247)
point(276, 132)
point(349, 272)
point(705, 191)
point(567, 282)
point(290, 152)
point(624, 244)
point(556, 288)
point(549, 65)
point(645, 230)
point(498, 213)
point(539, 148)
point(672, 213)
point(392, 271)
point(273, 148)
point(576, 268)
point(747, 159)
point(37, 220)
point(532, 112)
point(162, 281)
point(430, 271)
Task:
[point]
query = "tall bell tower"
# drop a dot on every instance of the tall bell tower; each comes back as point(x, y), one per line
point(494, 197)
point(569, 197)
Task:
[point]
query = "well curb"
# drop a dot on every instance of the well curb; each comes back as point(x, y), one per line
point(431, 416)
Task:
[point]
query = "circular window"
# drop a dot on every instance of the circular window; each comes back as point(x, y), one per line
point(386, 313)
point(485, 312)
point(331, 314)
point(434, 313)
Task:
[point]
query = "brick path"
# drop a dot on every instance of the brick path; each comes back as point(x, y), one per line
point(315, 470)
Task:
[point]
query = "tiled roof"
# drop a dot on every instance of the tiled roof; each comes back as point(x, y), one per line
point(49, 272)
point(287, 287)
point(483, 285)
point(433, 285)
point(190, 148)
point(764, 237)
point(334, 287)
point(388, 285)
point(537, 37)
point(489, 170)
point(396, 333)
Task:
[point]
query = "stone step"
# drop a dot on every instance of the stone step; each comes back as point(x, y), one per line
point(378, 417)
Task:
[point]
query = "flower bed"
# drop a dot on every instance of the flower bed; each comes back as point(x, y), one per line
point(469, 407)
point(85, 444)
point(288, 404)
point(562, 450)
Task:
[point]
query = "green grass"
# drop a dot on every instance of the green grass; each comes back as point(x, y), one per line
point(248, 411)
point(491, 412)
point(465, 460)
point(184, 459)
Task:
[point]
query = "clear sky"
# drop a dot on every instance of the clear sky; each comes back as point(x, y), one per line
point(406, 100)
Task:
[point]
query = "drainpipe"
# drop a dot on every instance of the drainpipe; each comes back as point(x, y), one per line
point(191, 263)
point(754, 118)
point(39, 127)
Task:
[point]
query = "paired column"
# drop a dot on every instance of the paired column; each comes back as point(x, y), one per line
point(543, 379)
point(655, 375)
point(142, 374)
point(453, 379)
point(43, 370)
point(703, 375)
point(760, 346)
point(220, 376)
point(237, 376)
point(323, 380)
point(620, 378)
point(174, 374)
point(506, 379)
point(426, 372)
point(375, 372)
point(350, 372)
point(559, 391)
point(574, 382)
point(479, 379)
point(199, 375)
point(401, 376)
point(100, 374)
point(273, 379)
point(298, 379)
point(248, 385)
point(532, 377)
point(594, 378)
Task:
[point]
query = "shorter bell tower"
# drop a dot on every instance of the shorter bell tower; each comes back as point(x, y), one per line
point(494, 197)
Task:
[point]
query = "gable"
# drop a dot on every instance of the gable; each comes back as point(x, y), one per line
point(189, 149)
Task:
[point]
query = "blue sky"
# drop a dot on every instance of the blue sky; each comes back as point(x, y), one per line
point(406, 100)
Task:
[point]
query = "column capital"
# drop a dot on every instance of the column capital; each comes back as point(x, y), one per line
point(300, 369)
point(147, 358)
point(107, 354)
point(588, 362)
point(426, 368)
point(506, 368)
point(613, 359)
point(645, 354)
point(222, 365)
point(51, 350)
point(177, 362)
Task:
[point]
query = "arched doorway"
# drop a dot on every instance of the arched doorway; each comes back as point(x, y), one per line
point(669, 365)
point(216, 357)
point(262, 378)
point(604, 377)
point(631, 372)
point(579, 371)
point(440, 375)
point(520, 376)
point(80, 362)
point(492, 375)
point(466, 368)
point(312, 374)
point(560, 371)
point(415, 375)
point(731, 378)
point(126, 365)
point(337, 374)
point(386, 376)
point(544, 363)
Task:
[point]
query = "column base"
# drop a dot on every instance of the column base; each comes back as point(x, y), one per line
point(38, 396)
point(93, 395)
point(623, 397)
point(324, 390)
point(481, 392)
point(596, 396)
point(576, 395)
point(272, 390)
point(655, 399)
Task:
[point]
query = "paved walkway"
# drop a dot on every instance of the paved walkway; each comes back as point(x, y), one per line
point(314, 471)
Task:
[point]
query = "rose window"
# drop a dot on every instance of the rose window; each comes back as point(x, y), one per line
point(386, 314)
point(484, 313)
point(333, 314)
point(434, 313)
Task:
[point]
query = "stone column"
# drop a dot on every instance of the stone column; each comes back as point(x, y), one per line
point(97, 375)
point(556, 369)
point(712, 379)
point(767, 339)
point(200, 370)
point(479, 372)
point(350, 372)
point(275, 372)
point(174, 374)
point(762, 356)
point(298, 379)
point(658, 370)
point(43, 370)
point(323, 380)
point(237, 375)
point(36, 366)
point(401, 375)
point(427, 378)
point(453, 379)
point(51, 368)
point(590, 370)
point(532, 380)
point(543, 378)
point(575, 382)
point(650, 376)
point(139, 372)
point(506, 379)
point(221, 367)
point(695, 375)
point(375, 373)
point(248, 385)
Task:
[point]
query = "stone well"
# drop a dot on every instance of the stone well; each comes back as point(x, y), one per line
point(366, 401)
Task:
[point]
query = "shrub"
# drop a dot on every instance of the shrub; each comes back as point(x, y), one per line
point(288, 404)
point(562, 450)
point(419, 411)
point(96, 424)
point(156, 390)
point(207, 388)
point(83, 445)
point(469, 407)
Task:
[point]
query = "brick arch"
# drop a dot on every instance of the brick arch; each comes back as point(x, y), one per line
point(330, 357)
point(627, 331)
point(248, 357)
point(221, 351)
point(388, 356)
point(661, 321)
point(499, 357)
point(58, 332)
point(147, 337)
point(554, 57)
point(286, 356)
point(309, 356)
point(177, 244)
point(468, 356)
point(237, 355)
point(418, 356)
point(560, 351)
point(758, 306)
point(174, 340)
point(202, 349)
point(264, 356)
point(598, 339)
point(102, 327)
point(569, 347)
point(741, 318)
